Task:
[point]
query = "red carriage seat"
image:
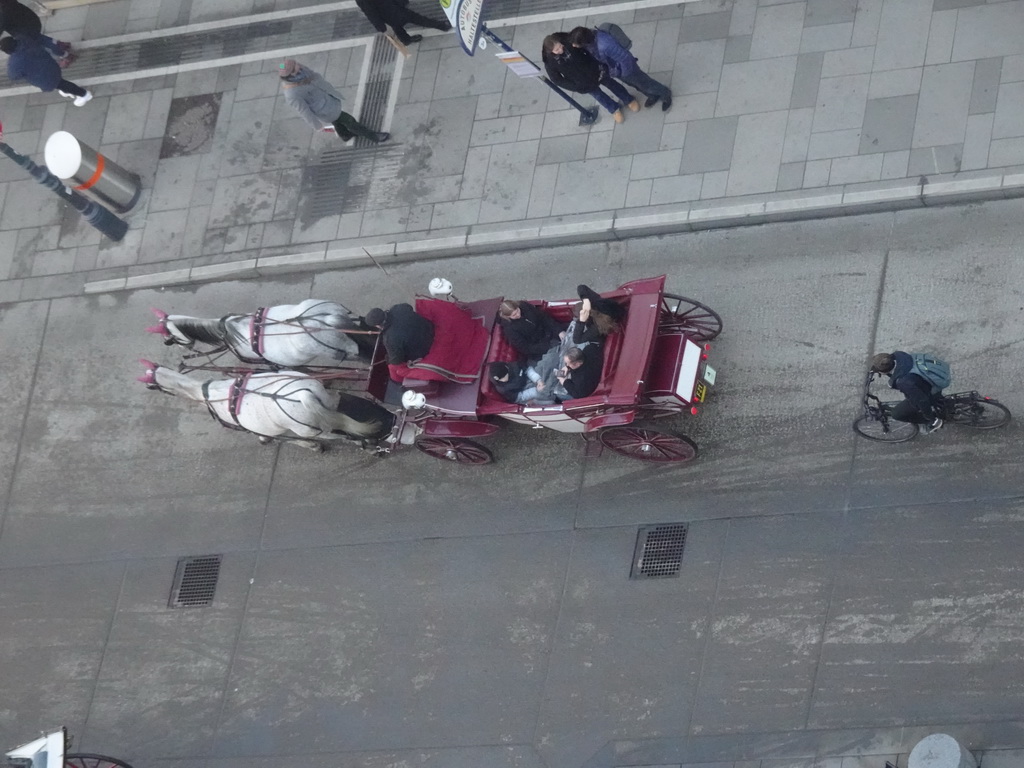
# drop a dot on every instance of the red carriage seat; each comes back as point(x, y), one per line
point(460, 343)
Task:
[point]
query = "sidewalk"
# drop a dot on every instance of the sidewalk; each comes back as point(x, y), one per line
point(782, 110)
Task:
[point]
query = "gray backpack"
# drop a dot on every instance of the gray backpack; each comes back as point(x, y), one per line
point(616, 31)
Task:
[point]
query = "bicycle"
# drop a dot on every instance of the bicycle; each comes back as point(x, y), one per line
point(969, 409)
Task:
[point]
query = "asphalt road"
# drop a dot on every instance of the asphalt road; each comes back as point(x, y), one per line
point(371, 612)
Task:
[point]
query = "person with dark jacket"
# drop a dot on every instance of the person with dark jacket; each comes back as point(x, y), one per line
point(517, 383)
point(29, 61)
point(582, 372)
point(530, 330)
point(576, 70)
point(621, 64)
point(406, 335)
point(922, 397)
point(395, 14)
point(21, 22)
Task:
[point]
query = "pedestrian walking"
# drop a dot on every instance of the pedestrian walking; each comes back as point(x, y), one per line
point(29, 61)
point(319, 104)
point(621, 64)
point(577, 70)
point(20, 21)
point(396, 14)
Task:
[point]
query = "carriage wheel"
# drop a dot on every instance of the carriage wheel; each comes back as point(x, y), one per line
point(679, 313)
point(648, 444)
point(83, 760)
point(659, 410)
point(455, 449)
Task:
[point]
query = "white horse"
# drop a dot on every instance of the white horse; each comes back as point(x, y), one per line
point(313, 333)
point(287, 405)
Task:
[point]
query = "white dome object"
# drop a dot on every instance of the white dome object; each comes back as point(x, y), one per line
point(63, 155)
point(411, 399)
point(440, 288)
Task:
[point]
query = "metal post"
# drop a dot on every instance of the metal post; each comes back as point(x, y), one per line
point(587, 116)
point(95, 214)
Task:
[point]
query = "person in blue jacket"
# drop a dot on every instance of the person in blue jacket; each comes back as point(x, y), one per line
point(20, 21)
point(31, 62)
point(621, 64)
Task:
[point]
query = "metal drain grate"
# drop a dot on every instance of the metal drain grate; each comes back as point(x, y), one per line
point(195, 581)
point(659, 551)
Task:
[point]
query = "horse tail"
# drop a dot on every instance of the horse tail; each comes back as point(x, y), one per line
point(362, 418)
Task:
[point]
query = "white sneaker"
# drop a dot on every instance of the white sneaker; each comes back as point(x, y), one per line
point(81, 101)
point(65, 95)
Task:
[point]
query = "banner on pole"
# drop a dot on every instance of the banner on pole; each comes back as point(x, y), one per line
point(466, 17)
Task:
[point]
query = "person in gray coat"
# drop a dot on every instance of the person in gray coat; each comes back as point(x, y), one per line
point(319, 104)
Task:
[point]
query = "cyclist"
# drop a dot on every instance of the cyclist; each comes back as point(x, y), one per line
point(921, 379)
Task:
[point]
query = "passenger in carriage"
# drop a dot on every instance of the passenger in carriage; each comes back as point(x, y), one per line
point(589, 325)
point(608, 307)
point(406, 335)
point(518, 383)
point(529, 329)
point(581, 374)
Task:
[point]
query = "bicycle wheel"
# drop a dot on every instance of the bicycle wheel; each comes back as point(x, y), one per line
point(982, 414)
point(888, 431)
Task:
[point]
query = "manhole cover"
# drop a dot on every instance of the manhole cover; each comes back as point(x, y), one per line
point(190, 125)
point(195, 581)
point(659, 551)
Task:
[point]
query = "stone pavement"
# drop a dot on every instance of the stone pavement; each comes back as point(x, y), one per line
point(782, 110)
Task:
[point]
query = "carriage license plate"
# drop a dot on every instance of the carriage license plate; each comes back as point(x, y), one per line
point(700, 392)
point(709, 375)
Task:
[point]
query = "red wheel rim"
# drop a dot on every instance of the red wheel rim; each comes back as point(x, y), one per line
point(83, 760)
point(453, 449)
point(648, 444)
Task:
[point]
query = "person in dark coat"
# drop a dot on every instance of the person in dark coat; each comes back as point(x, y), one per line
point(406, 335)
point(518, 383)
point(21, 22)
point(621, 64)
point(396, 15)
point(530, 330)
point(29, 61)
point(576, 70)
point(922, 402)
point(582, 372)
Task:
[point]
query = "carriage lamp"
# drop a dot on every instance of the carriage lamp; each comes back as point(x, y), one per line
point(411, 399)
point(694, 410)
point(440, 288)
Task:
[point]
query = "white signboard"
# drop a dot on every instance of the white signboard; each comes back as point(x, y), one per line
point(466, 16)
point(519, 64)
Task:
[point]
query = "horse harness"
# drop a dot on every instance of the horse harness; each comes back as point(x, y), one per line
point(236, 392)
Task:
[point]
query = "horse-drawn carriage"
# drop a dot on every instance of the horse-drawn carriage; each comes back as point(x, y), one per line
point(50, 751)
point(655, 366)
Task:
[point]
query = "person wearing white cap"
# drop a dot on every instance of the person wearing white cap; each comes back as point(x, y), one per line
point(319, 104)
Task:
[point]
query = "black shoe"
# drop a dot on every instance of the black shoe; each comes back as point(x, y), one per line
point(666, 105)
point(412, 39)
point(382, 137)
point(446, 26)
point(651, 101)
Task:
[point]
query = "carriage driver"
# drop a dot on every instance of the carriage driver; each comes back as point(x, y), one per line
point(406, 335)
